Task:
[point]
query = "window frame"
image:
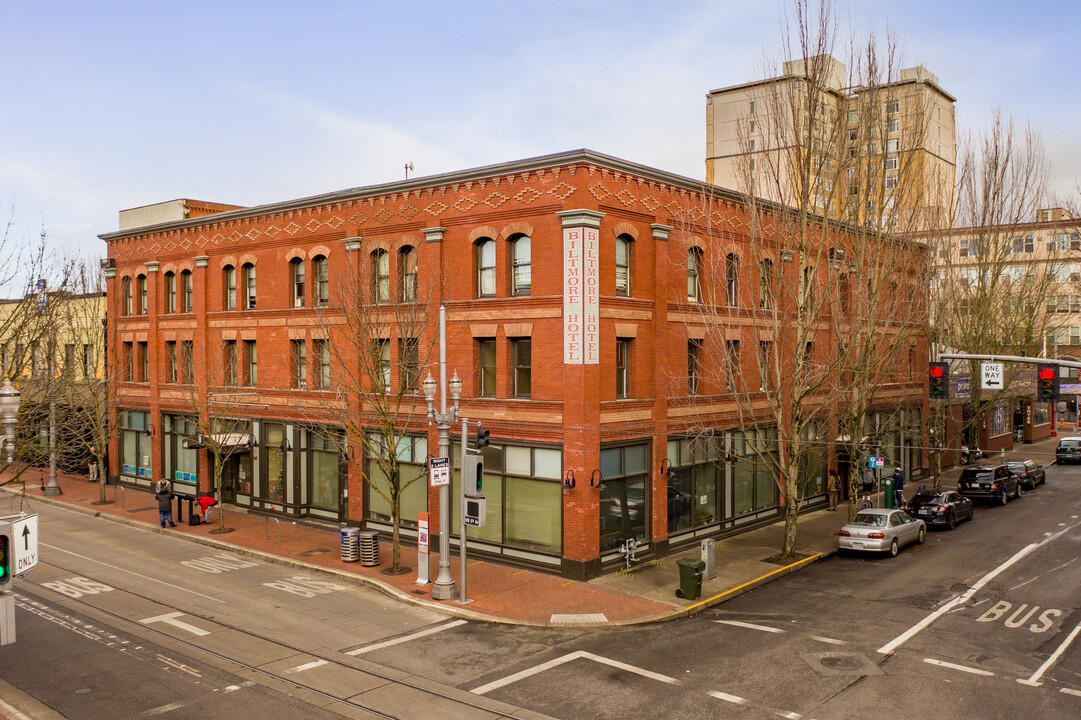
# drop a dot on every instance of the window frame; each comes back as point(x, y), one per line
point(485, 275)
point(321, 281)
point(229, 287)
point(486, 371)
point(407, 269)
point(694, 274)
point(522, 372)
point(248, 277)
point(380, 260)
point(731, 279)
point(187, 291)
point(170, 292)
point(521, 266)
point(623, 367)
point(623, 268)
point(297, 281)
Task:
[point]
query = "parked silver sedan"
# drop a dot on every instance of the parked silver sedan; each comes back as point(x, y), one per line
point(881, 530)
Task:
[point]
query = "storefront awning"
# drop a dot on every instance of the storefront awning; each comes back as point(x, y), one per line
point(226, 441)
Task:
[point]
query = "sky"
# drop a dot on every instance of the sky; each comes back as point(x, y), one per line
point(109, 105)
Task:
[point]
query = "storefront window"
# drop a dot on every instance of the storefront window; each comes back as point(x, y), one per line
point(624, 508)
point(181, 463)
point(412, 478)
point(693, 482)
point(273, 434)
point(324, 456)
point(135, 444)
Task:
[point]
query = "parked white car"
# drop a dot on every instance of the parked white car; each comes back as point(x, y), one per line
point(881, 530)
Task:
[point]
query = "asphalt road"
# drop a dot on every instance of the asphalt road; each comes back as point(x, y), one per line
point(981, 622)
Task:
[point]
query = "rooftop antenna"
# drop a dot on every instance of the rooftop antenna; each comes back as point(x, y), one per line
point(408, 167)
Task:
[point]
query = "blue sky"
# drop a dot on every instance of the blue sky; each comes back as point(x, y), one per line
point(109, 105)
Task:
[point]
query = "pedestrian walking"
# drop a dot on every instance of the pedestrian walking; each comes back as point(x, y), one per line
point(92, 464)
point(833, 487)
point(898, 486)
point(164, 497)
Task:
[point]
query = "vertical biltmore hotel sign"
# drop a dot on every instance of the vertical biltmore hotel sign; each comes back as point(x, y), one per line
point(581, 286)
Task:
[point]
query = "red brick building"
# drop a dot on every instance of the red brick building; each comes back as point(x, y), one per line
point(572, 285)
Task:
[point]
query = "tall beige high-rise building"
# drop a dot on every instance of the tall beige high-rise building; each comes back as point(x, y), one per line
point(814, 137)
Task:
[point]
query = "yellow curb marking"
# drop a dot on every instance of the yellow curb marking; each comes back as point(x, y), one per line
point(570, 582)
point(750, 582)
point(478, 562)
point(519, 572)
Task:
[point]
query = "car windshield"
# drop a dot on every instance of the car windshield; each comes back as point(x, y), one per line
point(1070, 444)
point(977, 474)
point(1017, 467)
point(869, 519)
point(925, 497)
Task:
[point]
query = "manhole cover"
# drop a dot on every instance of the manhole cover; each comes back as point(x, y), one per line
point(841, 662)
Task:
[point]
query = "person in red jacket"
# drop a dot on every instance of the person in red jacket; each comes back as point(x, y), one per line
point(205, 503)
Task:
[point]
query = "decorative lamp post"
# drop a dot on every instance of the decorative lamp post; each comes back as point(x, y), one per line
point(444, 588)
point(9, 413)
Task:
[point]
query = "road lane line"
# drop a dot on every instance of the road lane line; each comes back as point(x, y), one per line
point(954, 666)
point(171, 619)
point(576, 655)
point(736, 699)
point(406, 638)
point(1034, 680)
point(907, 635)
point(750, 626)
point(144, 577)
point(831, 641)
point(162, 709)
point(306, 666)
point(1070, 691)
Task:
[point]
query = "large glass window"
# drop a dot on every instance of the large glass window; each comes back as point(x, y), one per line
point(624, 502)
point(521, 275)
point(407, 262)
point(273, 486)
point(411, 453)
point(135, 450)
point(181, 462)
point(753, 485)
point(323, 454)
point(623, 266)
point(296, 274)
point(695, 482)
point(486, 268)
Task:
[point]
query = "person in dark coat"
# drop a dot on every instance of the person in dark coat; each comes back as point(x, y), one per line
point(164, 497)
point(898, 487)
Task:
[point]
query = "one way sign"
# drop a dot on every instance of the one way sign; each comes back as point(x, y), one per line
point(24, 537)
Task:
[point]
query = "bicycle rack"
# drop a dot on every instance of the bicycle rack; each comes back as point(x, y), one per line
point(627, 549)
point(266, 529)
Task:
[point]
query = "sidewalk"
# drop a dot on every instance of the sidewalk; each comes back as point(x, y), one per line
point(498, 593)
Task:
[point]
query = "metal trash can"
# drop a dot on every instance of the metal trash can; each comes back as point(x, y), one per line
point(350, 544)
point(709, 557)
point(369, 548)
point(690, 578)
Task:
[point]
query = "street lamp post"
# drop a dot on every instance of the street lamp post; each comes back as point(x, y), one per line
point(444, 588)
point(9, 413)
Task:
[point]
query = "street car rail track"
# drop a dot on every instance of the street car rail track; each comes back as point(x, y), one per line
point(292, 680)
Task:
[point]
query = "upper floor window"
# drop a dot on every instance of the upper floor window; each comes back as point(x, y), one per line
point(321, 348)
point(407, 262)
point(521, 357)
point(170, 361)
point(623, 362)
point(891, 107)
point(248, 276)
point(486, 367)
point(187, 360)
point(694, 266)
point(731, 279)
point(520, 265)
point(381, 276)
point(408, 364)
point(321, 278)
point(229, 362)
point(251, 374)
point(694, 349)
point(382, 354)
point(187, 288)
point(623, 266)
point(300, 363)
point(808, 286)
point(486, 268)
point(229, 283)
point(141, 282)
point(170, 292)
point(296, 273)
point(765, 287)
point(129, 302)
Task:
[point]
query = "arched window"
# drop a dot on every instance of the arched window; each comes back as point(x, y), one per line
point(186, 285)
point(321, 277)
point(407, 264)
point(142, 294)
point(381, 276)
point(520, 270)
point(248, 276)
point(623, 265)
point(731, 279)
point(170, 292)
point(486, 268)
point(694, 268)
point(229, 283)
point(129, 303)
point(765, 284)
point(296, 278)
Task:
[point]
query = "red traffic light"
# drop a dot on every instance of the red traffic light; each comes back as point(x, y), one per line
point(1047, 373)
point(936, 371)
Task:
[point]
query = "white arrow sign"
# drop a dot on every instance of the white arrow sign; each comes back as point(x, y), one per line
point(24, 536)
point(991, 375)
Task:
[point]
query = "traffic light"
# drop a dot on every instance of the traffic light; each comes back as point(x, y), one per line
point(6, 550)
point(938, 380)
point(473, 475)
point(1047, 383)
point(482, 437)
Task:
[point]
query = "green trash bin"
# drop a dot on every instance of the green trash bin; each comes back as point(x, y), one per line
point(690, 578)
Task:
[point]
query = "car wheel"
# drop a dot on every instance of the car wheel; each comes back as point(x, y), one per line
point(952, 522)
point(893, 548)
point(1002, 499)
point(1017, 493)
point(972, 513)
point(921, 536)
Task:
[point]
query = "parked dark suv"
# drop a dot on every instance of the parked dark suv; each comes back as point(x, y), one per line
point(1069, 450)
point(989, 482)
